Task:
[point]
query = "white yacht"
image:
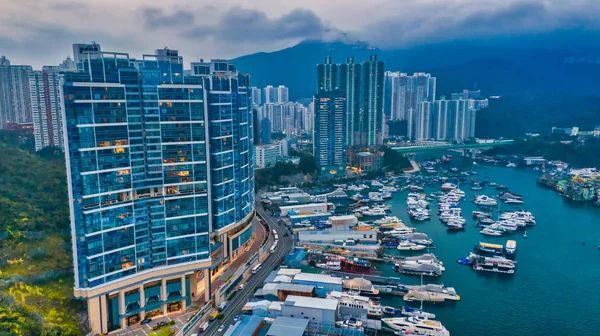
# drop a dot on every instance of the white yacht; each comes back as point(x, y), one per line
point(416, 326)
point(490, 232)
point(388, 189)
point(376, 183)
point(485, 200)
point(387, 219)
point(407, 245)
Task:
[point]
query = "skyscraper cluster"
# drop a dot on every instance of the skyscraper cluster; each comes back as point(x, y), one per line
point(32, 97)
point(413, 98)
point(362, 87)
point(160, 172)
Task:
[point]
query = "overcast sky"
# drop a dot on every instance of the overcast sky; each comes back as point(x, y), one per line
point(40, 32)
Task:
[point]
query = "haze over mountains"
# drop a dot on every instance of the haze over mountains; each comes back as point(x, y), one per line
point(554, 63)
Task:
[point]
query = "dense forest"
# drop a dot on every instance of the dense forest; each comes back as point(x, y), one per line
point(36, 280)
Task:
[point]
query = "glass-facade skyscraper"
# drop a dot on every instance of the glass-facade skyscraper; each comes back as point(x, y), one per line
point(160, 174)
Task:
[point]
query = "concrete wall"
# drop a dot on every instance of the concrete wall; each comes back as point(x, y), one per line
point(332, 235)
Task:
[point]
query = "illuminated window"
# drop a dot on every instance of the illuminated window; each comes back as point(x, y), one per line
point(119, 150)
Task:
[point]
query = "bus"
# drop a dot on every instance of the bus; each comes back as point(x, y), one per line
point(203, 327)
point(256, 268)
point(213, 316)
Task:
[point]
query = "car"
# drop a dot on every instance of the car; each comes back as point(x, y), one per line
point(241, 286)
point(146, 321)
point(221, 328)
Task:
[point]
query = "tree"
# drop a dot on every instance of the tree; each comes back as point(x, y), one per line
point(308, 164)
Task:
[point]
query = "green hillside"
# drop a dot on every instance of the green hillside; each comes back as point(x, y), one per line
point(36, 280)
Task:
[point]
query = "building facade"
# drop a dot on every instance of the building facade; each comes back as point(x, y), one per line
point(44, 92)
point(327, 76)
point(404, 93)
point(5, 92)
point(21, 103)
point(160, 173)
point(267, 155)
point(350, 84)
point(329, 135)
point(371, 124)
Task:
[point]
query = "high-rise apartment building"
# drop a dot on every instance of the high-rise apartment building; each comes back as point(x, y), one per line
point(445, 120)
point(329, 135)
point(160, 180)
point(5, 92)
point(283, 94)
point(256, 96)
point(404, 93)
point(45, 97)
point(327, 76)
point(21, 103)
point(350, 84)
point(271, 95)
point(372, 119)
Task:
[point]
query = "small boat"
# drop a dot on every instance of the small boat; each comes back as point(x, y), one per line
point(448, 186)
point(409, 311)
point(388, 310)
point(513, 201)
point(476, 187)
point(490, 232)
point(501, 187)
point(407, 245)
point(511, 248)
point(525, 234)
point(416, 188)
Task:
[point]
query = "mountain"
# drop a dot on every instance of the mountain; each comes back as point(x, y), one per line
point(497, 67)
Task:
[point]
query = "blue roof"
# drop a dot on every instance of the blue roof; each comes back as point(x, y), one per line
point(288, 326)
point(245, 327)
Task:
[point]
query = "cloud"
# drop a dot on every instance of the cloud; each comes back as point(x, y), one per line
point(438, 21)
point(155, 17)
point(240, 24)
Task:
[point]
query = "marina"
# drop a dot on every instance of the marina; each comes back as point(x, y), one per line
point(414, 222)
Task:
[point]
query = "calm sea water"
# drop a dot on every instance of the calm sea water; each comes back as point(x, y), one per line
point(556, 287)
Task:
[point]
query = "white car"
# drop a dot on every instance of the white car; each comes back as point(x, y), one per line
point(221, 328)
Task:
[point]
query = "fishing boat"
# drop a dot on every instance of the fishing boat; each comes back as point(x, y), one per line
point(355, 265)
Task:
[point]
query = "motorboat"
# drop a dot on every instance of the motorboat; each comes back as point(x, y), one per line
point(388, 189)
point(416, 188)
point(416, 326)
point(352, 323)
point(448, 186)
point(485, 200)
point(387, 219)
point(495, 264)
point(511, 165)
point(330, 265)
point(373, 212)
point(490, 232)
point(376, 183)
point(511, 248)
point(513, 201)
point(407, 245)
point(409, 311)
point(388, 310)
point(401, 230)
point(455, 227)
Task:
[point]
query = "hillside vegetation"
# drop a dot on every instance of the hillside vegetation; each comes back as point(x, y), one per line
point(36, 280)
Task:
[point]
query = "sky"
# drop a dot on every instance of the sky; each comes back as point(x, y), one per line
point(41, 32)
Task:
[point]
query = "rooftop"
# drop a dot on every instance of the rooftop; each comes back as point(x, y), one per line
point(324, 278)
point(307, 205)
point(288, 326)
point(247, 326)
point(310, 302)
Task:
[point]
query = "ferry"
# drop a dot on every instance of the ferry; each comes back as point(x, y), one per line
point(489, 249)
point(415, 325)
point(511, 248)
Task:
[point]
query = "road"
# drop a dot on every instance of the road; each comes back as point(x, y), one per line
point(234, 307)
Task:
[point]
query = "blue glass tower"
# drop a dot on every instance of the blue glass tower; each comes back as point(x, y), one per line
point(160, 175)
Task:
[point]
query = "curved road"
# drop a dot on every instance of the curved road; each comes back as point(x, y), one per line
point(234, 307)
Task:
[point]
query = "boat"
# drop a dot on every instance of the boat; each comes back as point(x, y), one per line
point(480, 214)
point(513, 201)
point(388, 189)
point(410, 311)
point(407, 245)
point(373, 212)
point(453, 226)
point(525, 234)
point(388, 310)
point(430, 257)
point(501, 187)
point(489, 249)
point(448, 186)
point(423, 267)
point(387, 219)
point(355, 265)
point(485, 200)
point(416, 188)
point(330, 265)
point(376, 183)
point(511, 165)
point(416, 326)
point(494, 264)
point(361, 286)
point(401, 230)
point(490, 232)
point(511, 248)
point(349, 302)
point(415, 237)
point(351, 323)
point(476, 187)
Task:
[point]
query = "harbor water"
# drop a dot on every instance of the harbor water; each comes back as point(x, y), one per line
point(554, 290)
